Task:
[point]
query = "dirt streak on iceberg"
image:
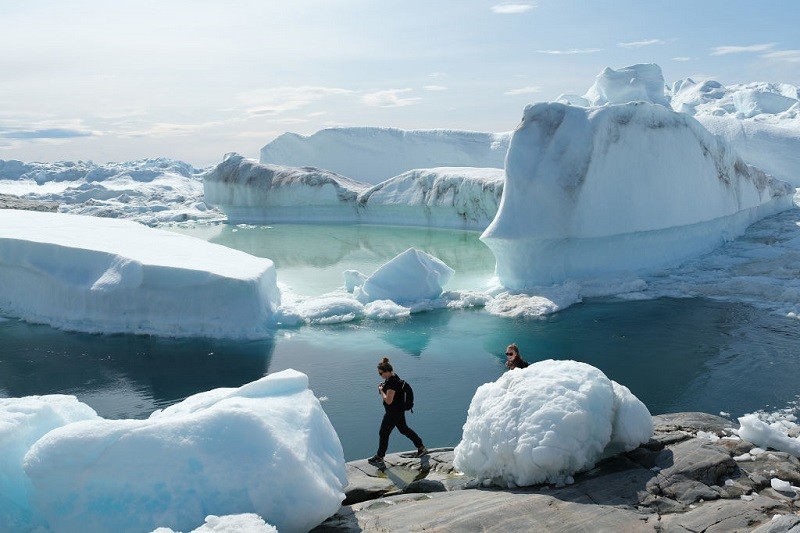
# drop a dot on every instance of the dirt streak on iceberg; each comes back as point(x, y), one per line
point(618, 188)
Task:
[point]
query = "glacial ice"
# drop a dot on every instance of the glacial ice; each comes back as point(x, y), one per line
point(626, 187)
point(117, 276)
point(373, 155)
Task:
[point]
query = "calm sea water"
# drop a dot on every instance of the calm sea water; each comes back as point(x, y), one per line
point(674, 354)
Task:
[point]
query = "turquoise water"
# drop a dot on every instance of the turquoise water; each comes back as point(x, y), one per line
point(674, 354)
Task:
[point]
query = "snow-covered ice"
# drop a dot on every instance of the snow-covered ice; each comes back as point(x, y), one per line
point(155, 192)
point(265, 448)
point(373, 155)
point(238, 523)
point(255, 193)
point(101, 275)
point(760, 120)
point(768, 435)
point(626, 187)
point(547, 422)
point(411, 276)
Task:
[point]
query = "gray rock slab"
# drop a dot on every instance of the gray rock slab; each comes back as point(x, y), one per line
point(724, 516)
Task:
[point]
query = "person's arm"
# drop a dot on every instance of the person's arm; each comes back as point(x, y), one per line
point(387, 395)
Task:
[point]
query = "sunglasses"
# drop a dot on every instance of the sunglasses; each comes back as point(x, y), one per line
point(509, 353)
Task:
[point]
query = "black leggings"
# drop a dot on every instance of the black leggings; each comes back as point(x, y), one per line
point(391, 420)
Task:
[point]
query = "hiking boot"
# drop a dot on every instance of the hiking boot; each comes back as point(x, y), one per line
point(375, 460)
point(422, 450)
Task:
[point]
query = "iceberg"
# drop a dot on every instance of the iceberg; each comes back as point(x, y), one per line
point(266, 448)
point(760, 120)
point(94, 274)
point(447, 197)
point(546, 422)
point(410, 277)
point(627, 187)
point(373, 155)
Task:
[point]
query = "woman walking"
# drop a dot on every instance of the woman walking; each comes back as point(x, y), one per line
point(395, 416)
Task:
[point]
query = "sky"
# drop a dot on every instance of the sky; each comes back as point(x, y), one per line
point(195, 79)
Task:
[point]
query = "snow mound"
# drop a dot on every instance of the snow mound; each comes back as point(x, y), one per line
point(117, 276)
point(619, 188)
point(266, 448)
point(373, 155)
point(547, 422)
point(238, 523)
point(409, 277)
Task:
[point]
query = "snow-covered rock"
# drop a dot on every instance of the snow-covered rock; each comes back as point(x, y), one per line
point(117, 276)
point(373, 155)
point(546, 422)
point(621, 187)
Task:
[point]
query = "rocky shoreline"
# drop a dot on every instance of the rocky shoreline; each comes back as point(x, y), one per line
point(695, 475)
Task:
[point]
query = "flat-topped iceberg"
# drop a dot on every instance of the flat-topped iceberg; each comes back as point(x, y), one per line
point(619, 188)
point(373, 155)
point(116, 276)
point(265, 448)
point(448, 197)
point(548, 421)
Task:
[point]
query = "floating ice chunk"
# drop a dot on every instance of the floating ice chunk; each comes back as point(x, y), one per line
point(265, 448)
point(385, 310)
point(547, 422)
point(116, 276)
point(409, 277)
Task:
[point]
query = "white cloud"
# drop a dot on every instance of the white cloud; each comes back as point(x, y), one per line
point(435, 88)
point(640, 44)
point(725, 50)
point(282, 99)
point(792, 56)
point(512, 8)
point(388, 98)
point(532, 89)
point(571, 52)
point(682, 58)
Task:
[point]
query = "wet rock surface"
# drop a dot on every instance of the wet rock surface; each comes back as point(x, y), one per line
point(695, 475)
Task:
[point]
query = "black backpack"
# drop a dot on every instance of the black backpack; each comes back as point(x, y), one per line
point(408, 397)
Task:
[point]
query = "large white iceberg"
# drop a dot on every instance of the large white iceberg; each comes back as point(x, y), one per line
point(373, 155)
point(265, 448)
point(619, 188)
point(548, 421)
point(760, 120)
point(102, 275)
point(448, 197)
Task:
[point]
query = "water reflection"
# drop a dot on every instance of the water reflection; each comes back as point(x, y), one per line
point(123, 376)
